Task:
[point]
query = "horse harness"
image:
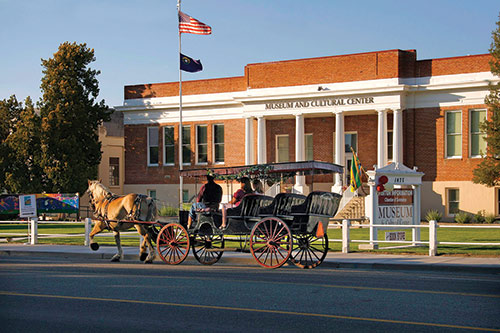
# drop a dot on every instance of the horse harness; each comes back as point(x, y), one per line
point(133, 215)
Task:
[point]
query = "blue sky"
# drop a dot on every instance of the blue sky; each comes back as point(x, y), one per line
point(137, 41)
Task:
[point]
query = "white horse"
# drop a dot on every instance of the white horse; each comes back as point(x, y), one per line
point(110, 209)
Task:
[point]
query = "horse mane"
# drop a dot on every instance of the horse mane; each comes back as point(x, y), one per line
point(101, 190)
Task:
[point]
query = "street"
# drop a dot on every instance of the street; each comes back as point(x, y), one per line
point(69, 294)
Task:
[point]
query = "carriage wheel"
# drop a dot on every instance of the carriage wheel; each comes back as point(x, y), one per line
point(271, 242)
point(205, 248)
point(173, 243)
point(309, 251)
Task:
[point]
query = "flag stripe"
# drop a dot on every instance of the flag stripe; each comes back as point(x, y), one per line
point(187, 24)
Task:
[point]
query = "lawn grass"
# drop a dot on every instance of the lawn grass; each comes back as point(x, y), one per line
point(474, 235)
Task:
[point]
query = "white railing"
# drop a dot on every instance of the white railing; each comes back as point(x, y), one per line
point(433, 239)
point(346, 239)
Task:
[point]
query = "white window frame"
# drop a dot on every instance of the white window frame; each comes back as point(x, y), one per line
point(446, 134)
point(111, 176)
point(475, 133)
point(151, 191)
point(165, 146)
point(214, 144)
point(148, 148)
point(197, 144)
point(277, 147)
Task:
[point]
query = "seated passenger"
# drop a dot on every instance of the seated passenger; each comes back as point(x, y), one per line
point(209, 196)
point(245, 189)
point(257, 186)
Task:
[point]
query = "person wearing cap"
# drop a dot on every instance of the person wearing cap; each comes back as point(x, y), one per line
point(209, 196)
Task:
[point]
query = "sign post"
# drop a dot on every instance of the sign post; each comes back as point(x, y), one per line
point(27, 208)
point(394, 199)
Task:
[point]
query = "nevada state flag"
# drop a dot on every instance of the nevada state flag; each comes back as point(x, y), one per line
point(190, 65)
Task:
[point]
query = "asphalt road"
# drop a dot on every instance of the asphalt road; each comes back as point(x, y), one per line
point(54, 295)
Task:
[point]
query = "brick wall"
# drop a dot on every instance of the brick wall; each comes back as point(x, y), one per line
point(138, 172)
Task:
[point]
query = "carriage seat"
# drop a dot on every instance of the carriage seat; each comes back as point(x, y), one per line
point(242, 218)
point(282, 204)
point(318, 207)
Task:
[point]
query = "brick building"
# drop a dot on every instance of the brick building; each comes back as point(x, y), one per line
point(387, 105)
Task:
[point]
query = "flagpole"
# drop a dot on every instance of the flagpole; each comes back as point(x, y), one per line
point(180, 113)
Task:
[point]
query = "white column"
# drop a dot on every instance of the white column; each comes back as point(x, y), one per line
point(261, 140)
point(339, 149)
point(382, 138)
point(300, 181)
point(397, 136)
point(249, 141)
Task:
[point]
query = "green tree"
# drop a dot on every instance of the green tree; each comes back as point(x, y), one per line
point(24, 173)
point(488, 171)
point(70, 145)
point(10, 110)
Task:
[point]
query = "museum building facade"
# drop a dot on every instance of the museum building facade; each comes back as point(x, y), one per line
point(387, 106)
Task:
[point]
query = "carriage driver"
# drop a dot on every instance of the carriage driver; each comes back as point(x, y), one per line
point(209, 196)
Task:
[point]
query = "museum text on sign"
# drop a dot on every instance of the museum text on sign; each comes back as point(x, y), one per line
point(395, 207)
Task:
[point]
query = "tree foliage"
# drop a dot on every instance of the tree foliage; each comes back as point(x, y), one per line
point(70, 114)
point(57, 150)
point(488, 171)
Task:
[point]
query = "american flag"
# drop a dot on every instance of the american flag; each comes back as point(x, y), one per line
point(190, 25)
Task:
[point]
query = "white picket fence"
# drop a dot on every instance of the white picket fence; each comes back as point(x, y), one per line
point(346, 240)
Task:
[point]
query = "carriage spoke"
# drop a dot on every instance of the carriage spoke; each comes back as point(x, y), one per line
point(173, 244)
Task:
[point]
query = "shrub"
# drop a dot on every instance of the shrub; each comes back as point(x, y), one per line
point(168, 211)
point(463, 217)
point(433, 214)
point(489, 218)
point(479, 216)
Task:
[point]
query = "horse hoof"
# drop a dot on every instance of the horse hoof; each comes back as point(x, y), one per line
point(148, 261)
point(94, 246)
point(115, 258)
point(143, 256)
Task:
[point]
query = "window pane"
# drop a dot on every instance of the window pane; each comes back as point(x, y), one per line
point(186, 135)
point(169, 155)
point(453, 122)
point(202, 154)
point(454, 145)
point(153, 155)
point(153, 136)
point(453, 195)
point(453, 207)
point(114, 171)
point(169, 136)
point(202, 134)
point(478, 144)
point(477, 117)
point(219, 153)
point(389, 145)
point(186, 154)
point(218, 133)
point(309, 147)
point(283, 149)
point(350, 141)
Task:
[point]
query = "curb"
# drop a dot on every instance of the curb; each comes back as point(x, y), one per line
point(247, 260)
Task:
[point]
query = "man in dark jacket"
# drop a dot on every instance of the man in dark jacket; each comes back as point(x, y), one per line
point(209, 196)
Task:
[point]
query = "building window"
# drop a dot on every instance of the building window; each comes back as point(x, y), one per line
point(498, 201)
point(351, 140)
point(185, 195)
point(453, 196)
point(389, 145)
point(169, 142)
point(477, 142)
point(453, 134)
point(219, 143)
point(186, 145)
point(152, 146)
point(114, 171)
point(201, 144)
point(282, 148)
point(152, 194)
point(309, 147)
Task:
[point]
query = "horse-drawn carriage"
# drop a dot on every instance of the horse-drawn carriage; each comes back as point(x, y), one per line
point(286, 227)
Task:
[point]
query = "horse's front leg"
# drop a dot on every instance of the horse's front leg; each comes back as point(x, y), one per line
point(118, 256)
point(98, 227)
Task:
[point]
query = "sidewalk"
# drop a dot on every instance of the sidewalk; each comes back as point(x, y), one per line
point(333, 259)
